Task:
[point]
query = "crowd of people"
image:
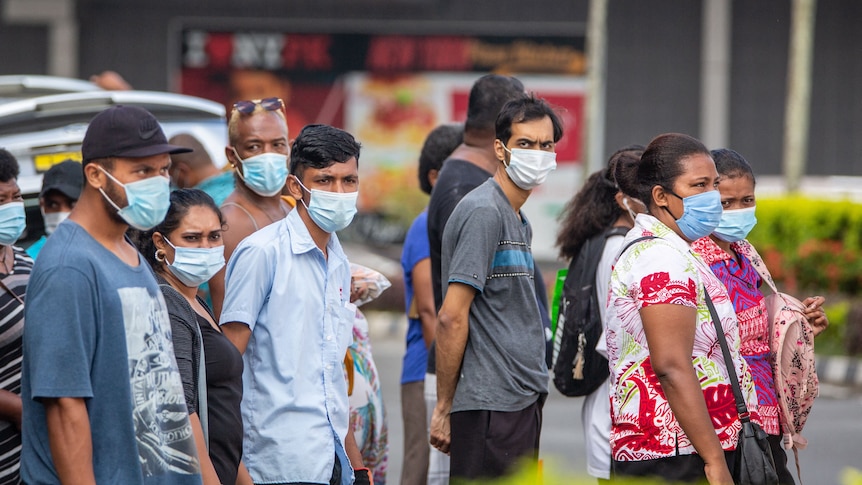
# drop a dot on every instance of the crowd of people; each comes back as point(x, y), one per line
point(208, 334)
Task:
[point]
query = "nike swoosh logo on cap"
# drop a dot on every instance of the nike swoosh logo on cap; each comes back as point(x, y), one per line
point(148, 129)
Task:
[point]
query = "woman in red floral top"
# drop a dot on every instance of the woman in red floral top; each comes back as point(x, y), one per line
point(672, 407)
point(730, 257)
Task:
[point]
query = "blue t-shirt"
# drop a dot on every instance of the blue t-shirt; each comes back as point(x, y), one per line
point(416, 248)
point(98, 329)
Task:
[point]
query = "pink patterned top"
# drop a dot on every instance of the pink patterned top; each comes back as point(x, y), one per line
point(664, 271)
point(742, 281)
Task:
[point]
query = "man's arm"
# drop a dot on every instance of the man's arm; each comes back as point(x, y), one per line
point(239, 227)
point(423, 295)
point(238, 333)
point(452, 332)
point(70, 440)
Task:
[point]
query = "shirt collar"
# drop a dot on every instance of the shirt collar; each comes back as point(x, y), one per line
point(301, 241)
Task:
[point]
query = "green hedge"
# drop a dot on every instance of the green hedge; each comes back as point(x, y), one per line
point(811, 244)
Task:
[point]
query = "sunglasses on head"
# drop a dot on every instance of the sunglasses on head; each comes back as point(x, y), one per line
point(269, 104)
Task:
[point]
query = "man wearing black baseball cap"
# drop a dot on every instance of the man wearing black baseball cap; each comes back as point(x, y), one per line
point(61, 189)
point(103, 400)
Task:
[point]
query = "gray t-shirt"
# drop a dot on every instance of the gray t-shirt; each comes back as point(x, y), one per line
point(487, 246)
point(98, 329)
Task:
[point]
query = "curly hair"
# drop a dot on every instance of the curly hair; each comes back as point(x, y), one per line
point(594, 208)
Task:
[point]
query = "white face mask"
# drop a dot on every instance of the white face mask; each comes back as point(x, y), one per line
point(530, 168)
point(53, 219)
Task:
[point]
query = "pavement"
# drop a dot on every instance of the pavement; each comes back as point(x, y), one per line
point(833, 428)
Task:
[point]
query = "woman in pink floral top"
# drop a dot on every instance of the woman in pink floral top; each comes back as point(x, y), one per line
point(672, 407)
point(733, 259)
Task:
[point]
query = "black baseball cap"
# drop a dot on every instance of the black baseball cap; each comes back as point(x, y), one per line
point(67, 177)
point(126, 131)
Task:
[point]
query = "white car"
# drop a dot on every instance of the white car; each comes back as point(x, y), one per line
point(44, 130)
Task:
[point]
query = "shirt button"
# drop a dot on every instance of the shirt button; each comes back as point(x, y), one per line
point(329, 337)
point(328, 366)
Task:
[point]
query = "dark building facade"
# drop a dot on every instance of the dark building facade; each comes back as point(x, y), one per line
point(653, 68)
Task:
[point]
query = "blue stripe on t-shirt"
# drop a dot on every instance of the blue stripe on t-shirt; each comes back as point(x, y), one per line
point(512, 258)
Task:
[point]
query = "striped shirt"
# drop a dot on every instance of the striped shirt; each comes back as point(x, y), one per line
point(11, 332)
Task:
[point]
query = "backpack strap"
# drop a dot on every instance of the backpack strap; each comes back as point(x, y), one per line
point(640, 239)
point(190, 316)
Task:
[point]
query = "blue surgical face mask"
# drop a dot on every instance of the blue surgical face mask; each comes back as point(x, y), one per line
point(735, 224)
point(148, 201)
point(12, 222)
point(264, 174)
point(331, 211)
point(195, 266)
point(701, 214)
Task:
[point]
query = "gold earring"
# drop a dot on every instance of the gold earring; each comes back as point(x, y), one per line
point(160, 255)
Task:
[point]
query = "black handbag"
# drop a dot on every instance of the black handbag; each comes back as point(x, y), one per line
point(754, 464)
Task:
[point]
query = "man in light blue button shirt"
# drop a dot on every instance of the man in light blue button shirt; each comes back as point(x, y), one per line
point(287, 309)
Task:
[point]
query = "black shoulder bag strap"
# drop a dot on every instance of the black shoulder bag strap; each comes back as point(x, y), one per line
point(741, 408)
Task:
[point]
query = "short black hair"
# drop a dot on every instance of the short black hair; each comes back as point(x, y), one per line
point(9, 168)
point(439, 144)
point(487, 96)
point(529, 108)
point(731, 164)
point(319, 146)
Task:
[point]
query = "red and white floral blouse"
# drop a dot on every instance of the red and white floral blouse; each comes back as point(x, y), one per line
point(664, 271)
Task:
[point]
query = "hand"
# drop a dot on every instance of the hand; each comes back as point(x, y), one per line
point(718, 474)
point(441, 434)
point(815, 314)
point(358, 291)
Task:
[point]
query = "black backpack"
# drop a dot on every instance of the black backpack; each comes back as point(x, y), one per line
point(578, 368)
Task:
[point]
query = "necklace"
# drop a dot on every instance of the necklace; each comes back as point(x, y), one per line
point(281, 208)
point(271, 219)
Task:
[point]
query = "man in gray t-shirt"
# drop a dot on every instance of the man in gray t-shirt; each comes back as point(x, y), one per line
point(491, 373)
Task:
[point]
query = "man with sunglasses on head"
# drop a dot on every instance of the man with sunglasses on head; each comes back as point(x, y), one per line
point(257, 151)
point(287, 309)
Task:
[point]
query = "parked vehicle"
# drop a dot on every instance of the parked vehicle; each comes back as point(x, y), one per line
point(44, 130)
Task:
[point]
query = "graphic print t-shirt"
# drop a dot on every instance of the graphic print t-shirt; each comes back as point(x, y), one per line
point(100, 331)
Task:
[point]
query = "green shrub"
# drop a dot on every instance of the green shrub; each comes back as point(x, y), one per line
point(811, 244)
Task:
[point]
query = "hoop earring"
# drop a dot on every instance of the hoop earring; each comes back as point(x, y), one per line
point(160, 255)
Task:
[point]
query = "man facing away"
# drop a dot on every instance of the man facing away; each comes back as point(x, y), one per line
point(492, 378)
point(258, 151)
point(287, 309)
point(197, 170)
point(103, 400)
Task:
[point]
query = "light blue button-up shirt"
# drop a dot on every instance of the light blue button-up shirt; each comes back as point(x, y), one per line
point(294, 408)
